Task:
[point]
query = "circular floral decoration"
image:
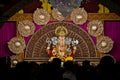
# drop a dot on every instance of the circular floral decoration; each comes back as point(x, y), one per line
point(57, 15)
point(16, 45)
point(105, 44)
point(26, 28)
point(15, 59)
point(79, 16)
point(95, 27)
point(41, 16)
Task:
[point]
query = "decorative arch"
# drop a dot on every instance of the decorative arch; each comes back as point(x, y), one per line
point(36, 48)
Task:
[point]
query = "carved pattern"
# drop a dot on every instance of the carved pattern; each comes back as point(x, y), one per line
point(91, 16)
point(20, 17)
point(36, 48)
point(110, 16)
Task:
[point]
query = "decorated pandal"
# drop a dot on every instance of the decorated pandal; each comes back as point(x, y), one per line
point(59, 39)
point(62, 47)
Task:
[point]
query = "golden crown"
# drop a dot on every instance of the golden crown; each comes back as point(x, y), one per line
point(61, 31)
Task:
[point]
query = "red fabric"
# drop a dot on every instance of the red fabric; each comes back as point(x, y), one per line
point(50, 53)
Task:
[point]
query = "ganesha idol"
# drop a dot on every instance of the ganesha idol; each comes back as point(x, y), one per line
point(61, 46)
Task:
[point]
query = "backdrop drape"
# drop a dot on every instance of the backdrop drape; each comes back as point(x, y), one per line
point(7, 31)
point(112, 29)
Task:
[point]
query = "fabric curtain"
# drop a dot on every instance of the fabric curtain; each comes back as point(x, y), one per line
point(112, 29)
point(7, 31)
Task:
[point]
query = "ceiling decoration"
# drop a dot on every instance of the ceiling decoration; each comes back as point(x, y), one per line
point(104, 44)
point(65, 6)
point(16, 45)
point(26, 28)
point(79, 16)
point(41, 16)
point(57, 15)
point(95, 27)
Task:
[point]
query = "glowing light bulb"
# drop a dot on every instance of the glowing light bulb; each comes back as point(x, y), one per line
point(94, 28)
point(103, 44)
point(79, 17)
point(41, 16)
point(27, 27)
point(15, 61)
point(17, 44)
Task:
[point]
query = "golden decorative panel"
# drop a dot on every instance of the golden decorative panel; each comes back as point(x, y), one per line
point(91, 16)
